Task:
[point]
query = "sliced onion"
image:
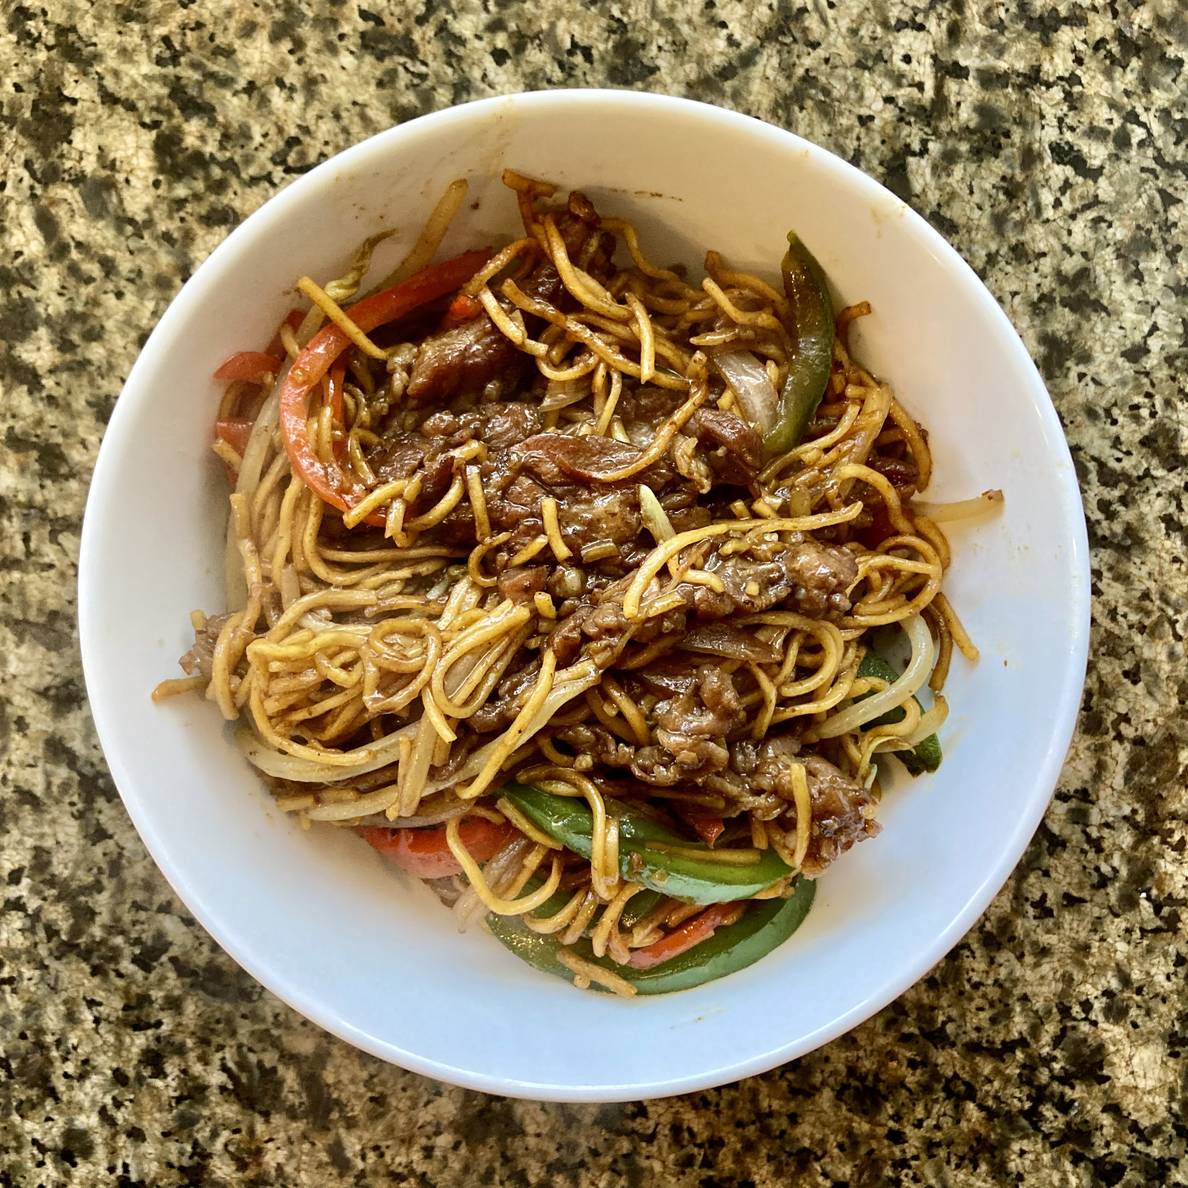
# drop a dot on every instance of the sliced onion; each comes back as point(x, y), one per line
point(654, 516)
point(469, 907)
point(724, 639)
point(251, 467)
point(913, 678)
point(751, 385)
point(563, 393)
point(371, 757)
point(419, 821)
point(868, 426)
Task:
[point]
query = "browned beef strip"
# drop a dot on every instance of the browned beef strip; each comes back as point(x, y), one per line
point(398, 455)
point(653, 765)
point(585, 514)
point(713, 710)
point(469, 357)
point(599, 743)
point(401, 453)
point(566, 640)
point(658, 767)
point(765, 765)
point(643, 409)
point(759, 781)
point(200, 658)
point(729, 445)
point(801, 575)
point(523, 467)
point(693, 726)
point(700, 709)
point(602, 630)
point(699, 706)
point(558, 458)
point(464, 359)
point(820, 575)
point(521, 582)
point(570, 470)
point(588, 246)
point(901, 472)
point(734, 449)
point(499, 425)
point(841, 809)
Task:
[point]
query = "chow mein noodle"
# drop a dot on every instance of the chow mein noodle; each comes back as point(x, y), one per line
point(566, 580)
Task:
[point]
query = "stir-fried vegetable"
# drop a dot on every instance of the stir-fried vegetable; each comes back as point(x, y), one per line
point(533, 395)
point(693, 932)
point(925, 755)
point(235, 431)
point(649, 853)
point(762, 927)
point(808, 368)
point(707, 826)
point(425, 852)
point(326, 478)
point(749, 381)
point(249, 365)
point(461, 310)
point(638, 906)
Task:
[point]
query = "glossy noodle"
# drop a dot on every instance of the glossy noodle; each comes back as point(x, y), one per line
point(566, 578)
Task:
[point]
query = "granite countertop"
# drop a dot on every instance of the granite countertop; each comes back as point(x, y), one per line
point(1048, 142)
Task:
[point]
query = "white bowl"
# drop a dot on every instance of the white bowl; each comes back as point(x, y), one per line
point(321, 920)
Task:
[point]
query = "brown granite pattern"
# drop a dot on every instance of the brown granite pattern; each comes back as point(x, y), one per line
point(1048, 141)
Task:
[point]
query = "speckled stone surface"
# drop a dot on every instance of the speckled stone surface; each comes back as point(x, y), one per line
point(1048, 142)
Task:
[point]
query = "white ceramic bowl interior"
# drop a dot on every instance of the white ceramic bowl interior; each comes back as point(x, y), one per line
point(321, 920)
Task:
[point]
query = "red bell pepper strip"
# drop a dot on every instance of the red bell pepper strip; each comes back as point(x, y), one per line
point(707, 826)
point(462, 309)
point(254, 365)
point(329, 480)
point(425, 852)
point(248, 365)
point(701, 927)
point(878, 530)
point(235, 431)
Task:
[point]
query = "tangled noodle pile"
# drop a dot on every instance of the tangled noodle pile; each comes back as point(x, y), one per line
point(556, 575)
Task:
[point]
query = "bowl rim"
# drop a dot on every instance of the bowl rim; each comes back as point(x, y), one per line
point(310, 1004)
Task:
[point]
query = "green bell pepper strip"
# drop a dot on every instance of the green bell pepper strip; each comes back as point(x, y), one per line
point(810, 365)
point(764, 925)
point(698, 878)
point(926, 755)
point(638, 906)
